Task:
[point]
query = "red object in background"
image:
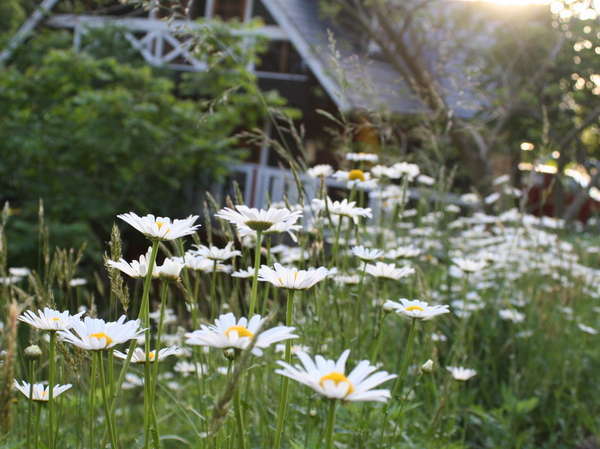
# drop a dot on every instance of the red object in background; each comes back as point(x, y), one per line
point(541, 198)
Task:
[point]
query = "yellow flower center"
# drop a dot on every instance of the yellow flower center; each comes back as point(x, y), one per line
point(241, 331)
point(356, 175)
point(337, 378)
point(159, 224)
point(54, 319)
point(413, 308)
point(151, 356)
point(100, 335)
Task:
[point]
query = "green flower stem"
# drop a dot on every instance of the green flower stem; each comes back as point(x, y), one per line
point(36, 425)
point(213, 291)
point(105, 400)
point(378, 335)
point(359, 302)
point(51, 383)
point(144, 307)
point(330, 424)
point(239, 418)
point(283, 396)
point(406, 359)
point(92, 405)
point(155, 364)
point(111, 373)
point(254, 293)
point(30, 404)
point(267, 286)
point(336, 244)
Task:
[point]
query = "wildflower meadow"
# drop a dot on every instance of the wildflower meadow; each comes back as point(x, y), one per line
point(320, 323)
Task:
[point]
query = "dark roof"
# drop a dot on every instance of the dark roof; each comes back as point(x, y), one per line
point(353, 80)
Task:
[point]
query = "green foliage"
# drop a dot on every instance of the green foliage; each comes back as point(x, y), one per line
point(11, 17)
point(93, 136)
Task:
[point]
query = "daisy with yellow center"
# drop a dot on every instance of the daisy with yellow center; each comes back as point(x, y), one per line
point(415, 309)
point(49, 319)
point(292, 278)
point(356, 178)
point(161, 228)
point(229, 332)
point(328, 378)
point(39, 392)
point(95, 334)
point(139, 355)
point(356, 175)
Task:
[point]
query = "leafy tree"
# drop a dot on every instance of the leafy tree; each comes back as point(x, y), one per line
point(94, 137)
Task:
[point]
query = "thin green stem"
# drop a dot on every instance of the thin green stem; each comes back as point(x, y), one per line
point(330, 424)
point(92, 404)
point(30, 404)
point(239, 418)
point(105, 400)
point(283, 396)
point(254, 292)
point(51, 383)
point(406, 359)
point(213, 291)
point(143, 307)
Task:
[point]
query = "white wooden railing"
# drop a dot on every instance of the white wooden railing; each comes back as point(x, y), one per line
point(261, 185)
point(168, 44)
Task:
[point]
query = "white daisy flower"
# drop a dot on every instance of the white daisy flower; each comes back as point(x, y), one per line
point(227, 332)
point(587, 329)
point(95, 334)
point(460, 373)
point(40, 391)
point(365, 254)
point(135, 268)
point(246, 218)
point(402, 253)
point(77, 282)
point(320, 171)
point(139, 355)
point(416, 309)
point(350, 279)
point(362, 157)
point(512, 315)
point(215, 253)
point(328, 378)
point(198, 263)
point(294, 349)
point(49, 319)
point(426, 180)
point(19, 271)
point(292, 278)
point(162, 228)
point(342, 208)
point(186, 368)
point(132, 381)
point(469, 265)
point(243, 274)
point(389, 271)
point(169, 318)
point(170, 269)
point(356, 178)
point(9, 280)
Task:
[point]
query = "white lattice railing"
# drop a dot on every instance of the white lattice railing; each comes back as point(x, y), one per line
point(263, 184)
point(166, 43)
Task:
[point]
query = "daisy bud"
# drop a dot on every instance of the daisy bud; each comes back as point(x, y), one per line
point(427, 367)
point(33, 352)
point(312, 412)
